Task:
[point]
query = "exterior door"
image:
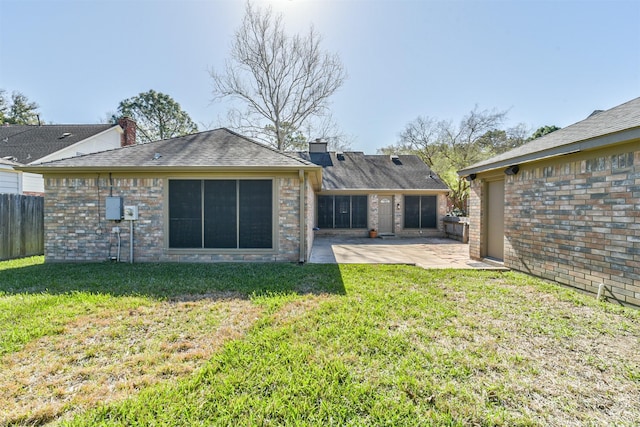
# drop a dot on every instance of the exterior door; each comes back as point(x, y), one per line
point(385, 215)
point(495, 219)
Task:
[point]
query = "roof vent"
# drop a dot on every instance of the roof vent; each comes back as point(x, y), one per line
point(340, 155)
point(157, 156)
point(64, 135)
point(395, 159)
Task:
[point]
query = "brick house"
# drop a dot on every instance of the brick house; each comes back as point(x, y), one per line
point(33, 144)
point(208, 197)
point(395, 195)
point(566, 206)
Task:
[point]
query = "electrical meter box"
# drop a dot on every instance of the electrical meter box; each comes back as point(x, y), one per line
point(130, 213)
point(114, 208)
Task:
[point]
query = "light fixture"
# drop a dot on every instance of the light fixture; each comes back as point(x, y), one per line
point(512, 170)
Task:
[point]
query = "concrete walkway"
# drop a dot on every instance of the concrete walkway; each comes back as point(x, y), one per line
point(423, 252)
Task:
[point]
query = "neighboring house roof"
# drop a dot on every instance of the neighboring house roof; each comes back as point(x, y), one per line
point(6, 162)
point(357, 171)
point(219, 148)
point(600, 129)
point(28, 143)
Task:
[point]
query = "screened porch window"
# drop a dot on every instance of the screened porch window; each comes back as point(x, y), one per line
point(420, 211)
point(342, 211)
point(221, 214)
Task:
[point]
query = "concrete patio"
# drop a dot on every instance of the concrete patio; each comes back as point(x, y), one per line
point(423, 252)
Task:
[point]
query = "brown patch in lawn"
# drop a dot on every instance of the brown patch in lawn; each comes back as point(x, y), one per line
point(579, 368)
point(113, 354)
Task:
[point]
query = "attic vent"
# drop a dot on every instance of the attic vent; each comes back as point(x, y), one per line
point(340, 156)
point(396, 160)
point(10, 158)
point(64, 135)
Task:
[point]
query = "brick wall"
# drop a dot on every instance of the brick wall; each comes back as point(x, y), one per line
point(76, 228)
point(398, 218)
point(310, 209)
point(575, 221)
point(476, 218)
point(373, 200)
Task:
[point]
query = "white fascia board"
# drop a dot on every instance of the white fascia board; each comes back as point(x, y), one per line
point(52, 156)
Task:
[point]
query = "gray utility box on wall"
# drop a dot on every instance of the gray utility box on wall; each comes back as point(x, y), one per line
point(114, 208)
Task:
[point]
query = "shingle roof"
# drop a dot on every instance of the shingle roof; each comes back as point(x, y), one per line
point(599, 129)
point(215, 148)
point(363, 172)
point(28, 143)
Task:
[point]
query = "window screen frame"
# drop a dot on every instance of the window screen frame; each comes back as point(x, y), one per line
point(333, 215)
point(272, 249)
point(421, 211)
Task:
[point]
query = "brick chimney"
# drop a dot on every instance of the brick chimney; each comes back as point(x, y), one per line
point(128, 125)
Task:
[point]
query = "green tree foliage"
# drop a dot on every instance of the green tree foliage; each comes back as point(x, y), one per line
point(542, 131)
point(282, 81)
point(157, 116)
point(447, 147)
point(18, 110)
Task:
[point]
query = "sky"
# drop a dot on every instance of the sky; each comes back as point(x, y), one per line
point(545, 62)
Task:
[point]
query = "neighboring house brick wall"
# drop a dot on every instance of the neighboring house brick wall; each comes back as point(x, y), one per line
point(574, 226)
point(75, 228)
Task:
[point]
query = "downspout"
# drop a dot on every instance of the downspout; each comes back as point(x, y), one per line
point(303, 225)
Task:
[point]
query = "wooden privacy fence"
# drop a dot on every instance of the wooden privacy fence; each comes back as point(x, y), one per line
point(21, 226)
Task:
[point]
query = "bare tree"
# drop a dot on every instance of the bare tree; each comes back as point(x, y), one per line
point(282, 80)
point(326, 129)
point(447, 148)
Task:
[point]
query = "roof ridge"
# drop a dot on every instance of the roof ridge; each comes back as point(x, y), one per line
point(182, 139)
point(9, 125)
point(284, 153)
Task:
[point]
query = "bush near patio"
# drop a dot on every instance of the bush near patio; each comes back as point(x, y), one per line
point(265, 344)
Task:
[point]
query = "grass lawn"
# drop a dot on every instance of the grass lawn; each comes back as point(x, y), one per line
point(265, 344)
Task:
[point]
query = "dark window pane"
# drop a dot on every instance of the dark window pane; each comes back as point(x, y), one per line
point(411, 211)
point(325, 211)
point(358, 211)
point(428, 211)
point(185, 221)
point(342, 211)
point(256, 214)
point(220, 214)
